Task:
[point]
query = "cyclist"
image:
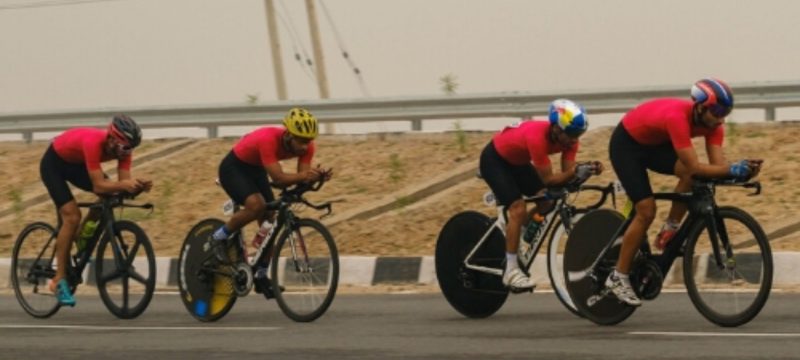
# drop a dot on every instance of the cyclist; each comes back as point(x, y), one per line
point(74, 156)
point(245, 174)
point(516, 163)
point(656, 135)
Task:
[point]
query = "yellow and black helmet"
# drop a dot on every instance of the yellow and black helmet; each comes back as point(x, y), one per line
point(299, 122)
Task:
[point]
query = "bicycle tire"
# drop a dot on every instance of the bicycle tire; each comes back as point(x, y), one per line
point(708, 286)
point(294, 278)
point(588, 238)
point(122, 266)
point(555, 263)
point(36, 304)
point(459, 235)
point(209, 299)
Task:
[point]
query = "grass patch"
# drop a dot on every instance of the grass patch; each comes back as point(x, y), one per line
point(396, 168)
point(403, 201)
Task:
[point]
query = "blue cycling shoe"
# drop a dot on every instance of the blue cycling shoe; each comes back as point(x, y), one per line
point(63, 294)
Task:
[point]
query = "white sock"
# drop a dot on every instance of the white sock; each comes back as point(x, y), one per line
point(620, 275)
point(511, 261)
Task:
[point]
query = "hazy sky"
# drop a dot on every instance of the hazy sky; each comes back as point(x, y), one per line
point(131, 53)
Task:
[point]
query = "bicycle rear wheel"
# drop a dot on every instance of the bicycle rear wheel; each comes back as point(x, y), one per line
point(472, 293)
point(126, 270)
point(734, 292)
point(305, 270)
point(555, 263)
point(588, 238)
point(207, 293)
point(32, 266)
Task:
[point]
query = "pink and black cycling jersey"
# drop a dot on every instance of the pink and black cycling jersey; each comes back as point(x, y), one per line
point(263, 147)
point(527, 142)
point(662, 121)
point(85, 145)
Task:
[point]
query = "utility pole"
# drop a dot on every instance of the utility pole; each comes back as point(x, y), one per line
point(316, 43)
point(275, 46)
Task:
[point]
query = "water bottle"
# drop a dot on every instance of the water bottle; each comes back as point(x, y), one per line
point(533, 227)
point(88, 230)
point(263, 232)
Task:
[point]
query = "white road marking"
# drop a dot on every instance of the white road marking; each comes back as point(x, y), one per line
point(145, 328)
point(712, 334)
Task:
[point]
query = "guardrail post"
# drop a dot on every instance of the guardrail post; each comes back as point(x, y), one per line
point(212, 132)
point(27, 136)
point(416, 124)
point(769, 113)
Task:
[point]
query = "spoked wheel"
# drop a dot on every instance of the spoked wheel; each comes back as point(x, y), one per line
point(305, 270)
point(206, 288)
point(472, 293)
point(734, 291)
point(586, 282)
point(32, 266)
point(126, 270)
point(555, 263)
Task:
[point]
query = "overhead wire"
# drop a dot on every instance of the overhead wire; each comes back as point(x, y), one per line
point(345, 54)
point(305, 61)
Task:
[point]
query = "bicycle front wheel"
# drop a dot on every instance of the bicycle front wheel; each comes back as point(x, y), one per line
point(32, 266)
point(732, 292)
point(305, 270)
point(555, 263)
point(126, 270)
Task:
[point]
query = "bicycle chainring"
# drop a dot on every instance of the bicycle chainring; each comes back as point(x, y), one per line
point(242, 279)
point(647, 279)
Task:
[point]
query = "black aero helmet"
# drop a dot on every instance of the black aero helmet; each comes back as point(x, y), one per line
point(124, 129)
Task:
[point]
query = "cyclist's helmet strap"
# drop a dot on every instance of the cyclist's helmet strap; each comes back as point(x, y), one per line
point(124, 129)
point(714, 95)
point(568, 116)
point(301, 123)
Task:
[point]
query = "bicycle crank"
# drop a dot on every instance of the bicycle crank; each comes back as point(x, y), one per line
point(242, 279)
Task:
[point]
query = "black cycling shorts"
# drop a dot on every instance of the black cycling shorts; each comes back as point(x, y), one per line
point(631, 161)
point(56, 172)
point(240, 179)
point(508, 182)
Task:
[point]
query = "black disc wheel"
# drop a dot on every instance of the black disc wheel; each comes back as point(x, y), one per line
point(472, 293)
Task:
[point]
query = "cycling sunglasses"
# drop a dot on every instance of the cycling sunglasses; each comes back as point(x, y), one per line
point(124, 149)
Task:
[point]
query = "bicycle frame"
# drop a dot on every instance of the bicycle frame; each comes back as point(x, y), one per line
point(702, 207)
point(286, 220)
point(561, 208)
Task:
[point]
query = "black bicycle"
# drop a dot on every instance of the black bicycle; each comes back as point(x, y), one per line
point(470, 252)
point(301, 254)
point(727, 261)
point(125, 279)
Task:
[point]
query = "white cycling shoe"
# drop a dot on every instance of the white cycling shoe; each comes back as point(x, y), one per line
point(622, 289)
point(517, 281)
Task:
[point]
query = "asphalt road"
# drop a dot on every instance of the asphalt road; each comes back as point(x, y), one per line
point(421, 326)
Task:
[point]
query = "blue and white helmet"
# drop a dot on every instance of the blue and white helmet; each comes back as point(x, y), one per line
point(569, 116)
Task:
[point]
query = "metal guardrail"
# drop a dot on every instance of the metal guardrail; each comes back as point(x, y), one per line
point(767, 96)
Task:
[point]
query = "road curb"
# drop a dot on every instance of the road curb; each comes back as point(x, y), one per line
point(383, 270)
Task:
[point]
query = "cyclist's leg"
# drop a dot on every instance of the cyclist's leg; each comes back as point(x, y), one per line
point(664, 160)
point(240, 181)
point(499, 175)
point(629, 160)
point(55, 172)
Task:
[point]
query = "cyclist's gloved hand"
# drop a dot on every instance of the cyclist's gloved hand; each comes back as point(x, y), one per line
point(740, 170)
point(583, 171)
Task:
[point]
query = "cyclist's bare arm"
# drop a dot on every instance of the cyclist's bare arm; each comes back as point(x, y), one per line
point(144, 184)
point(549, 179)
point(304, 174)
point(101, 185)
point(688, 157)
point(715, 155)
